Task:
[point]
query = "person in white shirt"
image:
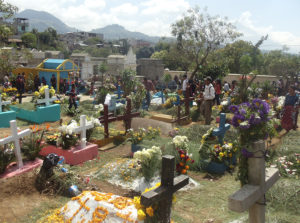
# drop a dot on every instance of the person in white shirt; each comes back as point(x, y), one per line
point(209, 95)
point(226, 87)
point(184, 85)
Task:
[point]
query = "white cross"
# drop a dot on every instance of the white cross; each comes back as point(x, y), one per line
point(47, 99)
point(3, 103)
point(15, 137)
point(82, 130)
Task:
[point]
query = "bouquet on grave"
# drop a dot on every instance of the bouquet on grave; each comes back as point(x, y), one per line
point(182, 156)
point(289, 166)
point(68, 137)
point(150, 160)
point(225, 153)
point(135, 137)
point(4, 97)
point(90, 131)
point(6, 156)
point(10, 91)
point(152, 133)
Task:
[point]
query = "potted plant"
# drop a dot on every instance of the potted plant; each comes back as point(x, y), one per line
point(135, 137)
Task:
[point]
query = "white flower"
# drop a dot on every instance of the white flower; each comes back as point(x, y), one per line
point(225, 103)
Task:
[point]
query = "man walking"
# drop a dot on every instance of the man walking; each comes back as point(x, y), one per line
point(209, 95)
point(149, 87)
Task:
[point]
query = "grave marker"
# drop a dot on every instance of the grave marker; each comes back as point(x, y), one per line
point(15, 137)
point(223, 127)
point(252, 196)
point(107, 118)
point(164, 194)
point(2, 103)
point(47, 98)
point(82, 130)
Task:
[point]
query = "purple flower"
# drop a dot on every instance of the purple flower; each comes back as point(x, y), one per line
point(256, 103)
point(246, 153)
point(265, 107)
point(237, 119)
point(234, 109)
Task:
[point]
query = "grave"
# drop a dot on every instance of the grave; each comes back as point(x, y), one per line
point(223, 127)
point(145, 123)
point(164, 194)
point(15, 138)
point(6, 117)
point(79, 153)
point(252, 196)
point(48, 113)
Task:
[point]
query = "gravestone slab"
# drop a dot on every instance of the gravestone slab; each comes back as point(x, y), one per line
point(145, 123)
point(163, 118)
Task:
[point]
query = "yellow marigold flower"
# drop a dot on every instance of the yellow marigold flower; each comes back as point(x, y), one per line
point(221, 154)
point(36, 93)
point(150, 211)
point(141, 215)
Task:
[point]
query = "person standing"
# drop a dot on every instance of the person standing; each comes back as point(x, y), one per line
point(44, 82)
point(218, 88)
point(37, 82)
point(149, 87)
point(72, 97)
point(226, 87)
point(53, 81)
point(209, 95)
point(290, 112)
point(184, 84)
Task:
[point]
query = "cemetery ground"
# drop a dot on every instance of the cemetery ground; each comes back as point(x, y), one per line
point(21, 202)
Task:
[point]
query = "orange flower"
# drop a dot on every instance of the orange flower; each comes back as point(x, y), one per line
point(183, 171)
point(187, 167)
point(181, 164)
point(47, 126)
point(182, 155)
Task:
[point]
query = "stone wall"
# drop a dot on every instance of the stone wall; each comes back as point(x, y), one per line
point(150, 68)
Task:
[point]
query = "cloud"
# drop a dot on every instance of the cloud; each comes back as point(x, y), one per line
point(125, 9)
point(159, 7)
point(277, 37)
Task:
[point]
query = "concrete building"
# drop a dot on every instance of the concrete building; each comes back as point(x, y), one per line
point(150, 68)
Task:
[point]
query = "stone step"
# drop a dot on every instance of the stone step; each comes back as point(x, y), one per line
point(163, 118)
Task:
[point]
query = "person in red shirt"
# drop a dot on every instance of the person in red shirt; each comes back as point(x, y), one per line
point(218, 87)
point(149, 87)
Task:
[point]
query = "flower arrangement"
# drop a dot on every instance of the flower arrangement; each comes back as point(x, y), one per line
point(136, 136)
point(148, 214)
point(252, 119)
point(150, 160)
point(10, 91)
point(96, 124)
point(68, 138)
point(289, 166)
point(4, 96)
point(182, 167)
point(180, 142)
point(6, 156)
point(169, 102)
point(52, 139)
point(224, 154)
point(152, 132)
point(174, 132)
point(32, 144)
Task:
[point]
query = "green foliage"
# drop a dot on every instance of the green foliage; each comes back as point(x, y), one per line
point(214, 71)
point(93, 41)
point(199, 34)
point(138, 96)
point(144, 52)
point(32, 145)
point(101, 94)
point(29, 82)
point(167, 78)
point(6, 156)
point(98, 52)
point(129, 81)
point(29, 39)
point(195, 114)
point(7, 10)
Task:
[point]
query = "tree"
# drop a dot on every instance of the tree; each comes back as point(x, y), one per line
point(144, 52)
point(29, 40)
point(7, 10)
point(198, 34)
point(102, 69)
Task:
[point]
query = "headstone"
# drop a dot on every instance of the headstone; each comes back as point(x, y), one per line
point(164, 194)
point(252, 196)
point(15, 137)
point(223, 128)
point(82, 130)
point(2, 103)
point(47, 98)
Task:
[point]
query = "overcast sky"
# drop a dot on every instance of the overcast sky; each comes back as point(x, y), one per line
point(278, 18)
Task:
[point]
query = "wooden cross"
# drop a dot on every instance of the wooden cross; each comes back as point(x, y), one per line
point(15, 137)
point(164, 194)
point(82, 130)
point(3, 103)
point(47, 99)
point(107, 118)
point(223, 128)
point(252, 196)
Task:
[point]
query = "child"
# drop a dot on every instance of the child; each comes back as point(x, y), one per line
point(72, 97)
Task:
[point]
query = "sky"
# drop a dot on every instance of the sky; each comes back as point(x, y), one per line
point(254, 18)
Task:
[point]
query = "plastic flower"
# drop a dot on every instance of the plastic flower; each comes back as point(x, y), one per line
point(150, 211)
point(141, 215)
